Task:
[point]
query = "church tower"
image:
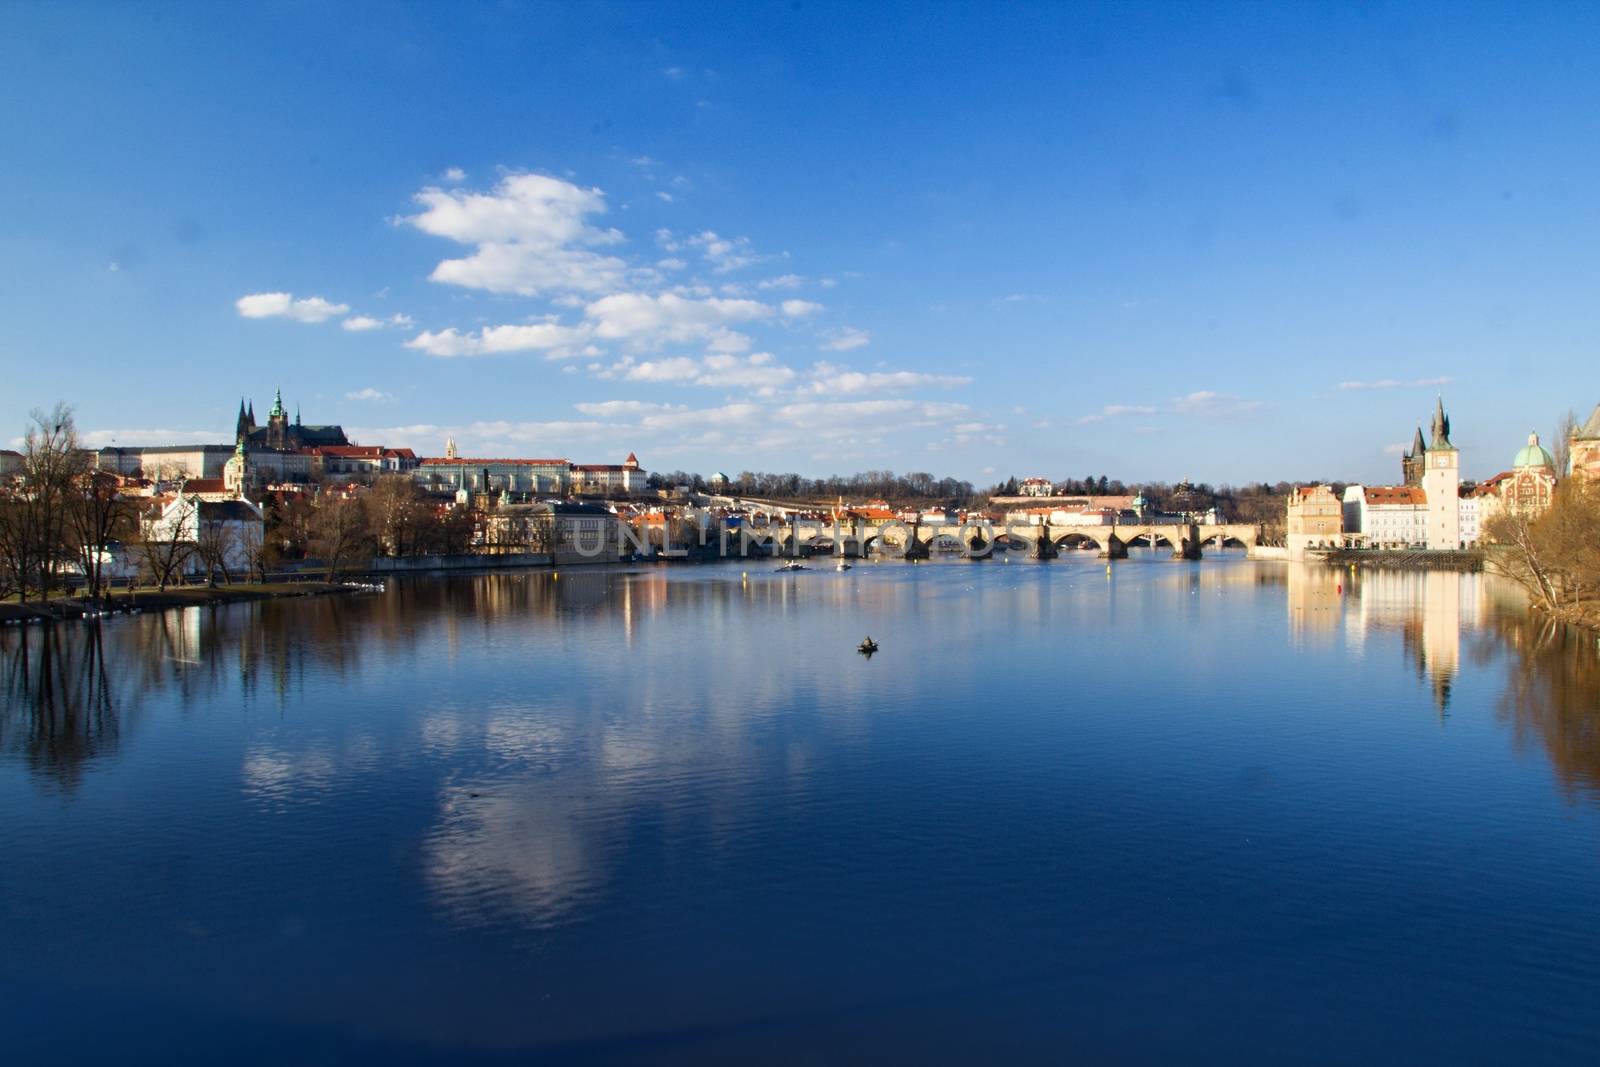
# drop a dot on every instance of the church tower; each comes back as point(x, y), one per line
point(1414, 461)
point(1441, 482)
point(450, 448)
point(278, 424)
point(236, 473)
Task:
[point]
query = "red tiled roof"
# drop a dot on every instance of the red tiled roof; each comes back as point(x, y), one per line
point(205, 485)
point(1396, 495)
point(361, 452)
point(443, 461)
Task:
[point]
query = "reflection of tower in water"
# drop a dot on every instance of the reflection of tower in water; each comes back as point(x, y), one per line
point(1441, 633)
point(1429, 608)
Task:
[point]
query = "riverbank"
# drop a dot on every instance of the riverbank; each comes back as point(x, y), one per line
point(187, 596)
point(1422, 559)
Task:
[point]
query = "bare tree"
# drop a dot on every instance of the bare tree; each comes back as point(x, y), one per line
point(33, 522)
point(1555, 555)
point(255, 550)
point(215, 543)
point(164, 541)
point(97, 518)
point(339, 533)
point(398, 515)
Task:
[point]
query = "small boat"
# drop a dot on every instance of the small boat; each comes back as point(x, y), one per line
point(843, 566)
point(793, 565)
point(867, 646)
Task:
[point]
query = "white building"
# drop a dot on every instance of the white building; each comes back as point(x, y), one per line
point(237, 526)
point(608, 479)
point(1386, 516)
point(1036, 487)
point(1425, 512)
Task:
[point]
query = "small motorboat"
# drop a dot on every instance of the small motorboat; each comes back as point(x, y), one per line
point(793, 565)
point(867, 646)
point(843, 566)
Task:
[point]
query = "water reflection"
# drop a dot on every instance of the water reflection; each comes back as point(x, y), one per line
point(1552, 693)
point(543, 713)
point(63, 707)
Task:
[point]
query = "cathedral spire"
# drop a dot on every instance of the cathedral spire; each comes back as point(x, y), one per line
point(277, 405)
point(1441, 427)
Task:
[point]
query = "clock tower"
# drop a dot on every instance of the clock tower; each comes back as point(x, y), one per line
point(1441, 482)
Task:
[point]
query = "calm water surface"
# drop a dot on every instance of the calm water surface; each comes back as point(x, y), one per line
point(1190, 812)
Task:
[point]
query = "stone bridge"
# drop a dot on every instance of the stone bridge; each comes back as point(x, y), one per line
point(981, 539)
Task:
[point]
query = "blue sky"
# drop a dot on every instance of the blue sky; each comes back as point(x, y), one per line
point(1222, 242)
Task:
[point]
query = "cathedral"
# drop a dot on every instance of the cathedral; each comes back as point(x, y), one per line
point(281, 435)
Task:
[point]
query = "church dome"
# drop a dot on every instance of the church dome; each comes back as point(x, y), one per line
point(1534, 455)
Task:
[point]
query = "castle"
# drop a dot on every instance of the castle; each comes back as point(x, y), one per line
point(281, 435)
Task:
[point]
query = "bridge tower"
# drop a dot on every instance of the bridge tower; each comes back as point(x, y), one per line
point(1188, 546)
point(1045, 547)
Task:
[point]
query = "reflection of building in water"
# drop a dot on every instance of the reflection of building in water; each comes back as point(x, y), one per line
point(1429, 608)
point(1314, 595)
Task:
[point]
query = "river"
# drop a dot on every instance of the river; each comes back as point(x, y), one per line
point(1195, 812)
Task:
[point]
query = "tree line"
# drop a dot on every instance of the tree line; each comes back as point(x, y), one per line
point(918, 486)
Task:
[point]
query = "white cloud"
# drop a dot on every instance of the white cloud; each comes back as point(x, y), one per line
point(867, 420)
point(830, 380)
point(1208, 403)
point(758, 372)
point(530, 235)
point(798, 309)
point(664, 197)
point(1117, 411)
point(551, 337)
point(615, 409)
point(845, 338)
point(493, 438)
point(650, 321)
point(377, 396)
point(284, 305)
point(676, 369)
point(782, 281)
point(1396, 383)
point(455, 174)
point(142, 438)
point(723, 253)
point(727, 415)
point(1204, 402)
point(364, 323)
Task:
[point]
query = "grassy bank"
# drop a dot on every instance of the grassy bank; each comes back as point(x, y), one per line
point(185, 596)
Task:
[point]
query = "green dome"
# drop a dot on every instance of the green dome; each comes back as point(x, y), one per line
point(1534, 455)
